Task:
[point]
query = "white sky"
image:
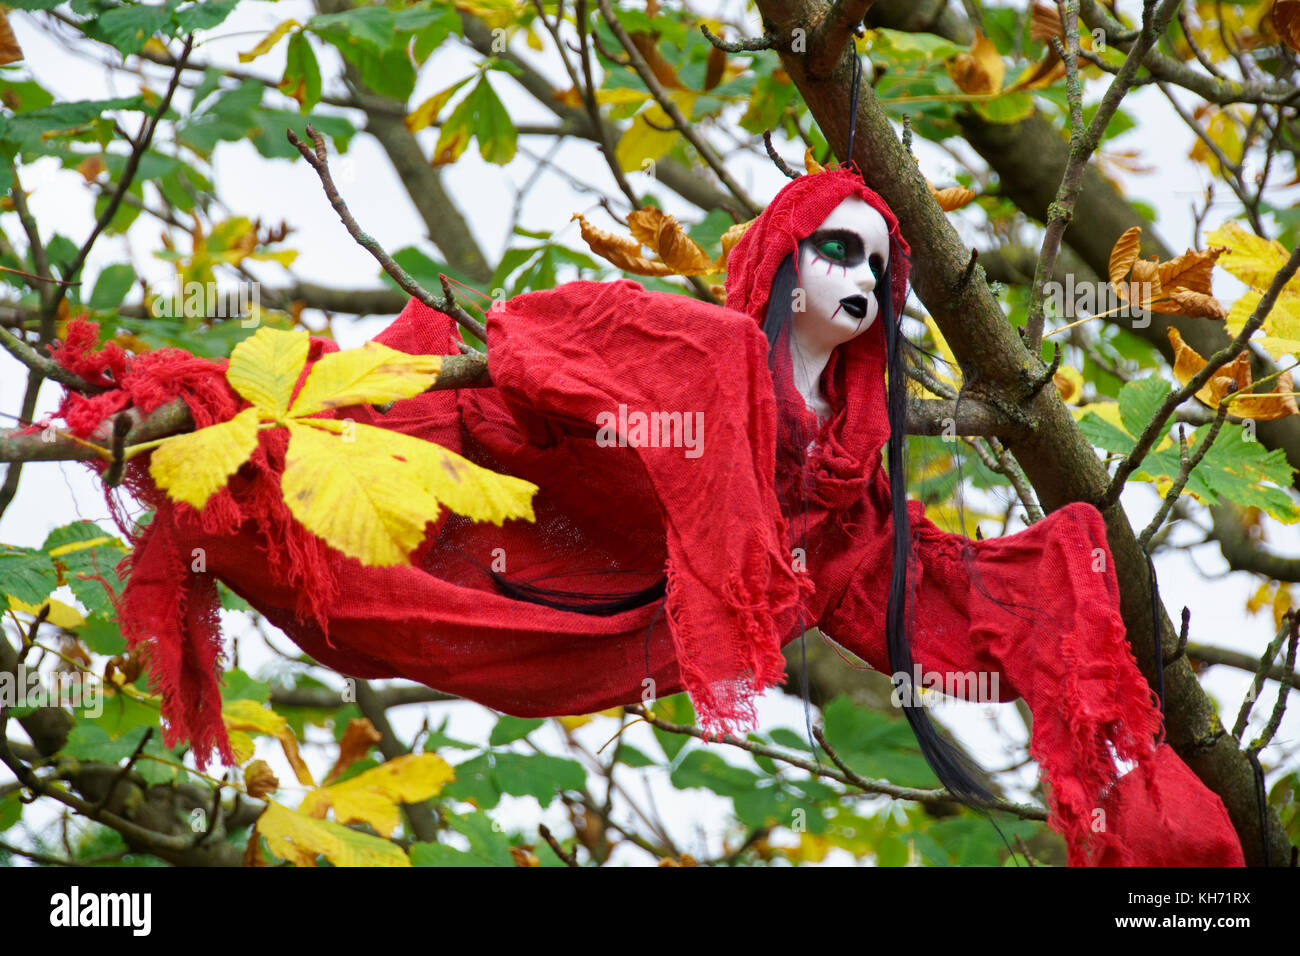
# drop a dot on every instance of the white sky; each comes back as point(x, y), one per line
point(53, 494)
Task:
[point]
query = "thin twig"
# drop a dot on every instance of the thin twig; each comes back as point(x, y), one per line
point(569, 859)
point(668, 106)
point(1185, 470)
point(1257, 683)
point(139, 146)
point(744, 45)
point(928, 797)
point(773, 155)
point(316, 158)
point(1283, 691)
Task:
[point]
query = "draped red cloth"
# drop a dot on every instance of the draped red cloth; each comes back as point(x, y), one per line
point(1040, 608)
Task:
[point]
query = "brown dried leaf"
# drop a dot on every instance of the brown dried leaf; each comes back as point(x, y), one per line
point(1286, 22)
point(358, 738)
point(91, 167)
point(1233, 378)
point(1045, 23)
point(259, 780)
point(1197, 305)
point(1124, 253)
point(10, 51)
point(523, 857)
point(664, 236)
point(620, 250)
point(647, 45)
point(714, 68)
point(979, 71)
point(1179, 286)
point(952, 198)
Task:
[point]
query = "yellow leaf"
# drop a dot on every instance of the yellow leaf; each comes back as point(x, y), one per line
point(265, 367)
point(1283, 319)
point(268, 41)
point(248, 716)
point(195, 466)
point(642, 141)
point(810, 162)
point(300, 839)
point(60, 614)
point(356, 496)
point(1253, 260)
point(372, 797)
point(1069, 382)
point(373, 373)
point(730, 238)
point(619, 96)
point(1226, 129)
point(979, 71)
point(428, 111)
point(371, 492)
point(944, 350)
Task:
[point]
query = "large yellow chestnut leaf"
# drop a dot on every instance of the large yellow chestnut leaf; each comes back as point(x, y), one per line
point(193, 467)
point(354, 494)
point(373, 796)
point(373, 373)
point(300, 839)
point(265, 367)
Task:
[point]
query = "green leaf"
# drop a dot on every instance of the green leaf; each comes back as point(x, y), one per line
point(1139, 401)
point(509, 728)
point(26, 575)
point(111, 287)
point(11, 810)
point(301, 73)
point(629, 756)
point(676, 709)
point(102, 635)
point(239, 686)
point(1104, 435)
point(480, 115)
point(484, 778)
point(1006, 108)
point(704, 768)
point(488, 846)
point(203, 15)
point(876, 745)
point(88, 741)
point(129, 28)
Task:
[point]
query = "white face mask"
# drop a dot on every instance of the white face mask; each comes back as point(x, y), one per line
point(837, 278)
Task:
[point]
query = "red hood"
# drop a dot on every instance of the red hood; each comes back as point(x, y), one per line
point(854, 381)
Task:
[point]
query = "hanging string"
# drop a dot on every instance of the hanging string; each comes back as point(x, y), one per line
point(853, 106)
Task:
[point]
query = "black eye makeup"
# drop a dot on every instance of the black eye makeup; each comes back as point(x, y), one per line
point(838, 246)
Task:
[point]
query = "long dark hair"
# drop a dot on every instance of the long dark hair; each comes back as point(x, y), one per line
point(953, 768)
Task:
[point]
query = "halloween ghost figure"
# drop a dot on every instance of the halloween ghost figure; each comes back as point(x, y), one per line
point(649, 571)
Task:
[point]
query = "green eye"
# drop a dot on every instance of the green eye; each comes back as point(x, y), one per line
point(833, 249)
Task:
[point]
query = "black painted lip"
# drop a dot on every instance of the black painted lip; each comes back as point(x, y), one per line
point(854, 305)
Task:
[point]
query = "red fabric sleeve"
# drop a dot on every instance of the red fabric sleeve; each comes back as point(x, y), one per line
point(1038, 612)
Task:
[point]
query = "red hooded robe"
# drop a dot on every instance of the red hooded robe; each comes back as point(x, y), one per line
point(1040, 608)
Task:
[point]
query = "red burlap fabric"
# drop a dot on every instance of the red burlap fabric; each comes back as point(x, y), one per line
point(1039, 608)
